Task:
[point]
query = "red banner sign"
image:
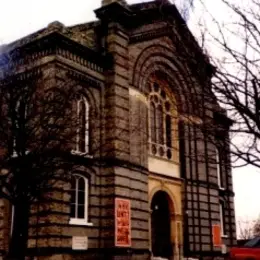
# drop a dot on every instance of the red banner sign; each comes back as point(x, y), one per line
point(216, 233)
point(122, 223)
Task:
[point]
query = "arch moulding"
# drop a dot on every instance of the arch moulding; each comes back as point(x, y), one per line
point(160, 58)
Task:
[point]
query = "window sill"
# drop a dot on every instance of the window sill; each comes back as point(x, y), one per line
point(221, 188)
point(80, 222)
point(224, 236)
point(86, 155)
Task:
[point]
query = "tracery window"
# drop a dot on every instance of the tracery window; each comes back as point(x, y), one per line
point(161, 130)
point(79, 200)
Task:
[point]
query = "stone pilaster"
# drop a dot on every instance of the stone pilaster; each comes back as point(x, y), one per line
point(117, 95)
point(123, 179)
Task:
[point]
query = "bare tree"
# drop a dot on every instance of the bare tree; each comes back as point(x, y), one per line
point(37, 133)
point(36, 125)
point(41, 124)
point(233, 48)
point(248, 228)
point(185, 7)
point(256, 228)
point(245, 229)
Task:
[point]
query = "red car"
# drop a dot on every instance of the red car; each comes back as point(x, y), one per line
point(249, 251)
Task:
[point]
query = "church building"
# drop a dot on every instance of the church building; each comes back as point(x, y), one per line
point(152, 184)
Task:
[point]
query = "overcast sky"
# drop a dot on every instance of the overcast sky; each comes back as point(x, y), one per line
point(21, 17)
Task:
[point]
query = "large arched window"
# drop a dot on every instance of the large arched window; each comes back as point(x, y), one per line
point(161, 129)
point(79, 200)
point(82, 136)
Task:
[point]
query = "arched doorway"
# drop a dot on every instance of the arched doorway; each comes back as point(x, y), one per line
point(161, 226)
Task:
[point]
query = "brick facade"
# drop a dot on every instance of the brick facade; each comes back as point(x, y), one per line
point(111, 62)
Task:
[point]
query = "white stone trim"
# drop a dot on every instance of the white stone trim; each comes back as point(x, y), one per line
point(81, 222)
point(163, 167)
point(135, 93)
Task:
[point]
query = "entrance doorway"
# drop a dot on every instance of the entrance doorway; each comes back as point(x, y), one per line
point(161, 226)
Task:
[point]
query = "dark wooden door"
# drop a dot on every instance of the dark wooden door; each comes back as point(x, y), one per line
point(161, 226)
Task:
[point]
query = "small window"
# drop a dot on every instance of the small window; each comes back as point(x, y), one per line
point(82, 135)
point(222, 217)
point(79, 200)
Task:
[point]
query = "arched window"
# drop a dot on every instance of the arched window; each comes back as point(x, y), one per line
point(160, 123)
point(79, 200)
point(82, 138)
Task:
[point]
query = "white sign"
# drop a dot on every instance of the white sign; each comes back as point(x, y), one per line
point(224, 249)
point(79, 243)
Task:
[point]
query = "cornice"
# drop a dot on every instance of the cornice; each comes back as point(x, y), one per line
point(54, 43)
point(20, 77)
point(149, 35)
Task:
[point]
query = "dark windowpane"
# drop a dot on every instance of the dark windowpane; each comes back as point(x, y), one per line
point(21, 111)
point(163, 94)
point(81, 183)
point(81, 197)
point(168, 131)
point(82, 126)
point(159, 125)
point(156, 87)
point(152, 122)
point(73, 197)
point(72, 211)
point(81, 211)
point(167, 106)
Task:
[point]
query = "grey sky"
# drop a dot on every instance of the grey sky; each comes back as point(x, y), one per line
point(21, 17)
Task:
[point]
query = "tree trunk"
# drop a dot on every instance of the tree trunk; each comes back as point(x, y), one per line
point(19, 232)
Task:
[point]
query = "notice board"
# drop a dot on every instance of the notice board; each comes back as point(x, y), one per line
point(122, 222)
point(216, 233)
